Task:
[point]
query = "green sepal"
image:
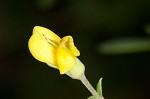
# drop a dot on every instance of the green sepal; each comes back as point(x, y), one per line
point(99, 87)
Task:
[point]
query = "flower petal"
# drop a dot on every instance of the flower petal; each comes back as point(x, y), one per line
point(73, 48)
point(41, 49)
point(68, 43)
point(47, 33)
point(65, 58)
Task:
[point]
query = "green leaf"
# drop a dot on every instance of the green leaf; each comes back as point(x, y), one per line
point(99, 87)
point(124, 45)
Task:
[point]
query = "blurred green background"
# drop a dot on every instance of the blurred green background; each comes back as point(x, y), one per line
point(113, 37)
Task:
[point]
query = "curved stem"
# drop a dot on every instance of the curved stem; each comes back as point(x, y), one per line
point(89, 86)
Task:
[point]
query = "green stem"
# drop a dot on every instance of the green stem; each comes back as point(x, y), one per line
point(87, 84)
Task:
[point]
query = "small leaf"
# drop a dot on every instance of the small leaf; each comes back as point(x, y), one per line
point(99, 87)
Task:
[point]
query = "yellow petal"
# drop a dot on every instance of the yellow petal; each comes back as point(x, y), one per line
point(65, 60)
point(68, 43)
point(47, 33)
point(64, 57)
point(41, 49)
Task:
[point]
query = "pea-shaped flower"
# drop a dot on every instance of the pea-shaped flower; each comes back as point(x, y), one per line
point(58, 53)
point(49, 48)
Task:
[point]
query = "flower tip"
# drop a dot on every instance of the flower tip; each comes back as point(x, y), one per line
point(47, 33)
point(37, 28)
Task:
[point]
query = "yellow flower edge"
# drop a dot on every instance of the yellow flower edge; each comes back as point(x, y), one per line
point(47, 33)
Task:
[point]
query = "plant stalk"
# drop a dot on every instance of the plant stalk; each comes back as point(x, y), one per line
point(87, 84)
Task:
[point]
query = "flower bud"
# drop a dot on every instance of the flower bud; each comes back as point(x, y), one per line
point(49, 48)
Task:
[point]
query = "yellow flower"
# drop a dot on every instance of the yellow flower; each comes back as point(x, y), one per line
point(49, 48)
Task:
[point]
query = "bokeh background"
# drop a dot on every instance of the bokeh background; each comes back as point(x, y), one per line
point(113, 37)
